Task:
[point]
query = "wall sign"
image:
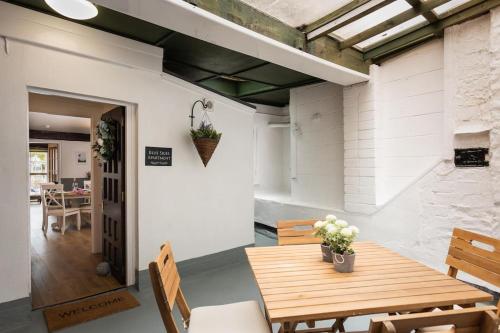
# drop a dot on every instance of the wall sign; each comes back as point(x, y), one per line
point(471, 157)
point(158, 156)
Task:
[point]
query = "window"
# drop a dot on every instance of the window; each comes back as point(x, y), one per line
point(38, 170)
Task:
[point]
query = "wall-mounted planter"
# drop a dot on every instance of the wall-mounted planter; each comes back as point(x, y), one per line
point(205, 148)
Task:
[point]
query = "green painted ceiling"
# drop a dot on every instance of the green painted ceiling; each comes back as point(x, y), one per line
point(225, 71)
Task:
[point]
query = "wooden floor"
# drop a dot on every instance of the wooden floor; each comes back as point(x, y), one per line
point(62, 267)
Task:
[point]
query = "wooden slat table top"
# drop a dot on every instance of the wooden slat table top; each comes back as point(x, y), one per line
point(296, 285)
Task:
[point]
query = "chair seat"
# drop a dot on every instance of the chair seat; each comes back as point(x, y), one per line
point(437, 329)
point(60, 211)
point(244, 317)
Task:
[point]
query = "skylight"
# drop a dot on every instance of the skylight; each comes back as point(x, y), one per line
point(371, 20)
point(406, 26)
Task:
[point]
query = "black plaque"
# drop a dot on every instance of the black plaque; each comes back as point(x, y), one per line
point(157, 156)
point(471, 157)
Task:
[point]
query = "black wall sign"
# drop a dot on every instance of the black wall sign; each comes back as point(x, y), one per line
point(471, 157)
point(157, 156)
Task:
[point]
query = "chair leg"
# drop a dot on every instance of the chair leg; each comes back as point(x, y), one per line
point(78, 221)
point(63, 228)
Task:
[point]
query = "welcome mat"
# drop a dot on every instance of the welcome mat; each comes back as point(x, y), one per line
point(79, 312)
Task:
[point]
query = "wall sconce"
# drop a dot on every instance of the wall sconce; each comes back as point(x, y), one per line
point(205, 104)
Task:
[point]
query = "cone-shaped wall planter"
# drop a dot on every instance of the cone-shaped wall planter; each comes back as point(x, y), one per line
point(205, 148)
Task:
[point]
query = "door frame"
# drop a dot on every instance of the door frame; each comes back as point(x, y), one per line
point(131, 176)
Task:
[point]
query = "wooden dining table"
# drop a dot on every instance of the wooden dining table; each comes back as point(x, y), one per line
point(297, 286)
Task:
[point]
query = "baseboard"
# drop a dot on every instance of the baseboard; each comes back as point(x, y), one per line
point(15, 315)
point(201, 264)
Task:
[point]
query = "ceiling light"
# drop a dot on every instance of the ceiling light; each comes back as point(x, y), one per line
point(75, 9)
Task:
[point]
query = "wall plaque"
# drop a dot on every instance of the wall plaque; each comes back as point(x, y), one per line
point(471, 157)
point(158, 156)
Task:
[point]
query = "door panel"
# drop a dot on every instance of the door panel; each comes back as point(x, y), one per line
point(113, 198)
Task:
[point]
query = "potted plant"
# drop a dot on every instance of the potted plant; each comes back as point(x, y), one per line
point(105, 144)
point(321, 229)
point(205, 139)
point(339, 237)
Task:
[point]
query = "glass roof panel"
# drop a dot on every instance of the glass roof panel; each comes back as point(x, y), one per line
point(406, 26)
point(297, 12)
point(371, 20)
point(447, 6)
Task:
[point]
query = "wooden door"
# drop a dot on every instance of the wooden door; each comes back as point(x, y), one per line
point(113, 199)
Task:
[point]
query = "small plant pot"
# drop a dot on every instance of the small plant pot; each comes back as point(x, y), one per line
point(327, 253)
point(205, 148)
point(343, 263)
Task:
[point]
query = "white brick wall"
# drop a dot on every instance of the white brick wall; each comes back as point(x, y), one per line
point(359, 145)
point(317, 145)
point(410, 118)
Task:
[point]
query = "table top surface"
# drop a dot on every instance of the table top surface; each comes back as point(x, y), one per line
point(297, 285)
point(72, 194)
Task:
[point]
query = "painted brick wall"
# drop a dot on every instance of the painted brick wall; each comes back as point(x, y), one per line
point(317, 145)
point(409, 119)
point(360, 104)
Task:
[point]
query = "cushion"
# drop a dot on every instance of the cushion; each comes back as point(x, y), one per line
point(244, 317)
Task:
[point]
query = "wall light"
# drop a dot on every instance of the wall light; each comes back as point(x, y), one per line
point(74, 9)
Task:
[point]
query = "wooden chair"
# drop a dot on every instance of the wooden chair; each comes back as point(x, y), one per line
point(244, 317)
point(472, 320)
point(86, 208)
point(466, 255)
point(53, 204)
point(295, 232)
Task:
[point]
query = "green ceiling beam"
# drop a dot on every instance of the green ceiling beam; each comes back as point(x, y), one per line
point(251, 88)
point(334, 15)
point(429, 16)
point(245, 15)
point(342, 22)
point(432, 30)
point(391, 23)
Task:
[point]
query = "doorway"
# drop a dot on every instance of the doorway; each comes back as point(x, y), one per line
point(91, 195)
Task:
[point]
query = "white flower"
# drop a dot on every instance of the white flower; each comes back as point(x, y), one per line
point(331, 218)
point(354, 229)
point(331, 228)
point(347, 232)
point(319, 224)
point(341, 223)
point(100, 141)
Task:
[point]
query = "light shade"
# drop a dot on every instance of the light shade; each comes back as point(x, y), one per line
point(75, 9)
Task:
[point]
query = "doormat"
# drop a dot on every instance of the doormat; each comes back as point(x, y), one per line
point(71, 314)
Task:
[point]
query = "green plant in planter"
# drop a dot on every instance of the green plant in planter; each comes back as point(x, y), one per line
point(205, 131)
point(205, 139)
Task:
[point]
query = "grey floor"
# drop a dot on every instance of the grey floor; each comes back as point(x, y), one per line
point(229, 282)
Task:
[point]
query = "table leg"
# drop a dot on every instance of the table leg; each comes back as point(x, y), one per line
point(339, 325)
point(286, 327)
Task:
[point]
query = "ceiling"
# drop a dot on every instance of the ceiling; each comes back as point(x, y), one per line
point(297, 13)
point(224, 71)
point(58, 123)
point(304, 14)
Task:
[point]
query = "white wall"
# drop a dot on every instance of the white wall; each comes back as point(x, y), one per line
point(272, 160)
point(68, 167)
point(410, 118)
point(317, 146)
point(200, 210)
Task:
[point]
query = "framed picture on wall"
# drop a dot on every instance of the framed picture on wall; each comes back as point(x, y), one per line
point(81, 157)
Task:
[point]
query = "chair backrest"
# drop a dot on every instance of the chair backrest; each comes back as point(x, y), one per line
point(87, 184)
point(166, 285)
point(471, 320)
point(296, 232)
point(474, 254)
point(52, 196)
